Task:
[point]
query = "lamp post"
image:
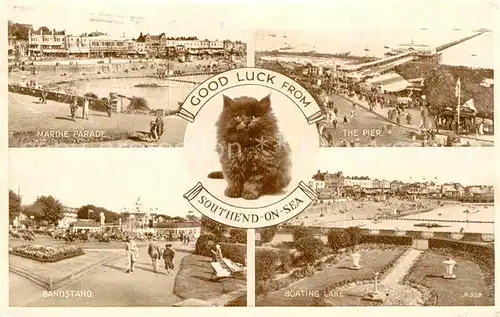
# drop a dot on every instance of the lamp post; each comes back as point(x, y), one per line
point(32, 222)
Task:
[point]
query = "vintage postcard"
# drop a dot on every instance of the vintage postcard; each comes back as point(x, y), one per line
point(244, 196)
point(110, 77)
point(419, 233)
point(425, 81)
point(102, 241)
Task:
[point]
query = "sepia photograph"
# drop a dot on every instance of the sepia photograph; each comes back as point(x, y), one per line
point(115, 236)
point(111, 76)
point(406, 76)
point(416, 233)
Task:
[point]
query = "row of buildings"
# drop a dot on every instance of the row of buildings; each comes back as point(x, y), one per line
point(51, 43)
point(136, 218)
point(336, 184)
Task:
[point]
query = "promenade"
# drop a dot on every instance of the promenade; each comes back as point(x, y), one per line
point(108, 285)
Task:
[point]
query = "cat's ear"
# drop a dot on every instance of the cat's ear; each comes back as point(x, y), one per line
point(228, 102)
point(265, 102)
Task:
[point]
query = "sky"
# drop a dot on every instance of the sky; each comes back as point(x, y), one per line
point(234, 19)
point(115, 178)
point(110, 178)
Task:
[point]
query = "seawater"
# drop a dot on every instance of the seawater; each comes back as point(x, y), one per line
point(167, 97)
point(356, 41)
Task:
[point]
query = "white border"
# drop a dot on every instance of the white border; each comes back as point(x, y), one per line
point(281, 7)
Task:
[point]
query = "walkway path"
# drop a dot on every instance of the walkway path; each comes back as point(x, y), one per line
point(109, 286)
point(401, 268)
point(415, 125)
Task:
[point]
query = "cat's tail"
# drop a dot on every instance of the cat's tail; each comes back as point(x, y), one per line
point(216, 175)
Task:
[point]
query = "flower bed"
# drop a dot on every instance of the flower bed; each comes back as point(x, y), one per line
point(45, 253)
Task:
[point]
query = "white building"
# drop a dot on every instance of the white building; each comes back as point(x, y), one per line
point(69, 216)
point(363, 182)
point(46, 43)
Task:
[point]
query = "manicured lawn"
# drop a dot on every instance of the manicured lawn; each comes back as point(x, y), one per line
point(307, 291)
point(193, 280)
point(468, 289)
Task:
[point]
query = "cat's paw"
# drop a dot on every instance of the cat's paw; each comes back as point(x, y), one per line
point(250, 195)
point(233, 192)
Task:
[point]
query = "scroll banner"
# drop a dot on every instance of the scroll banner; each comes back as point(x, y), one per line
point(263, 216)
point(251, 76)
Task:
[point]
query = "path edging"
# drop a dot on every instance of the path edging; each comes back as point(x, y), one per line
point(65, 280)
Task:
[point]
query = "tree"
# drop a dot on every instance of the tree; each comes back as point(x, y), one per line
point(266, 262)
point(355, 234)
point(14, 205)
point(338, 239)
point(267, 234)
point(93, 212)
point(208, 225)
point(238, 235)
point(87, 212)
point(46, 208)
point(191, 218)
point(301, 232)
point(439, 89)
point(311, 248)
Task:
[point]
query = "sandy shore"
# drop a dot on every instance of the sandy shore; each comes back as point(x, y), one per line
point(364, 209)
point(47, 77)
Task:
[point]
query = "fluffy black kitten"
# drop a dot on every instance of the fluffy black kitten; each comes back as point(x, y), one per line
point(254, 156)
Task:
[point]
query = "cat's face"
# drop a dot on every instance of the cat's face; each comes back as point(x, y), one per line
point(247, 116)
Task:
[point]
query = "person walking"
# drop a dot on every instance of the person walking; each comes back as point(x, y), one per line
point(43, 98)
point(86, 104)
point(73, 105)
point(153, 136)
point(160, 127)
point(154, 254)
point(108, 107)
point(168, 258)
point(132, 253)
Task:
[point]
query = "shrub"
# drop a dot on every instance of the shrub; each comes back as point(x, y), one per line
point(310, 248)
point(138, 103)
point(285, 260)
point(308, 270)
point(234, 252)
point(205, 243)
point(266, 261)
point(338, 240)
point(355, 234)
point(397, 240)
point(238, 235)
point(267, 234)
point(301, 232)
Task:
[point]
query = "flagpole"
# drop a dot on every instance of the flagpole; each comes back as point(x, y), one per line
point(458, 106)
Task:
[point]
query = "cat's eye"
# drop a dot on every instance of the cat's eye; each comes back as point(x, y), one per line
point(238, 117)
